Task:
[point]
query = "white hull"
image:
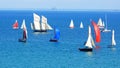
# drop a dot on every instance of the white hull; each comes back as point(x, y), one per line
point(106, 30)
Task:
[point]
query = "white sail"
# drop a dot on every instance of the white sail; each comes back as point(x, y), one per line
point(45, 25)
point(49, 27)
point(36, 21)
point(106, 30)
point(81, 25)
point(113, 39)
point(100, 22)
point(71, 24)
point(23, 26)
point(89, 40)
point(31, 26)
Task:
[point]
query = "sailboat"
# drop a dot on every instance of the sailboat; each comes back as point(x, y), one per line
point(100, 23)
point(113, 39)
point(40, 27)
point(81, 25)
point(15, 25)
point(71, 24)
point(90, 42)
point(56, 35)
point(105, 29)
point(23, 27)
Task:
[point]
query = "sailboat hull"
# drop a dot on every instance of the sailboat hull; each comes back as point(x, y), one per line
point(22, 40)
point(53, 40)
point(40, 30)
point(106, 31)
point(15, 27)
point(111, 46)
point(86, 49)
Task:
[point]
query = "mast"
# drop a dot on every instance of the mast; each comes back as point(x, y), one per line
point(106, 20)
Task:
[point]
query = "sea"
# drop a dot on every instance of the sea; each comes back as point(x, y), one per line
point(38, 52)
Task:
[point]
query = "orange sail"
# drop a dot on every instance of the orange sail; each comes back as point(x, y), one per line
point(15, 25)
point(97, 31)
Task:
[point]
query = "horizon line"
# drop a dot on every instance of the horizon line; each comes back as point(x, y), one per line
point(54, 9)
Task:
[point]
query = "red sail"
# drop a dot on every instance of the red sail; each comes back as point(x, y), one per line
point(15, 25)
point(97, 31)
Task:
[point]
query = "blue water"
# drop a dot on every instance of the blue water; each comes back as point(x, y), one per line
point(38, 52)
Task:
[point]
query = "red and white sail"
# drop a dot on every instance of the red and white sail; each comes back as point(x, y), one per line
point(15, 25)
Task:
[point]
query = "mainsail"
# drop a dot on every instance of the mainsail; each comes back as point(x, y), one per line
point(81, 25)
point(36, 21)
point(57, 34)
point(23, 26)
point(113, 39)
point(71, 24)
point(97, 31)
point(45, 25)
point(100, 22)
point(90, 41)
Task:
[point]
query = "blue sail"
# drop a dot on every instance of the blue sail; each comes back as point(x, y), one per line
point(57, 34)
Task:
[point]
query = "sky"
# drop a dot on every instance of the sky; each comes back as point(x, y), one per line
point(60, 4)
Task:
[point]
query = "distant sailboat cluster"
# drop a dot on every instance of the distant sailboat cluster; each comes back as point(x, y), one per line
point(72, 24)
point(40, 24)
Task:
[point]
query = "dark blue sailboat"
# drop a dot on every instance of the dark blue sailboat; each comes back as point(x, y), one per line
point(56, 35)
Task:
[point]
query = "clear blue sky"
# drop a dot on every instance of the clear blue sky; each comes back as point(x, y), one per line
point(59, 4)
